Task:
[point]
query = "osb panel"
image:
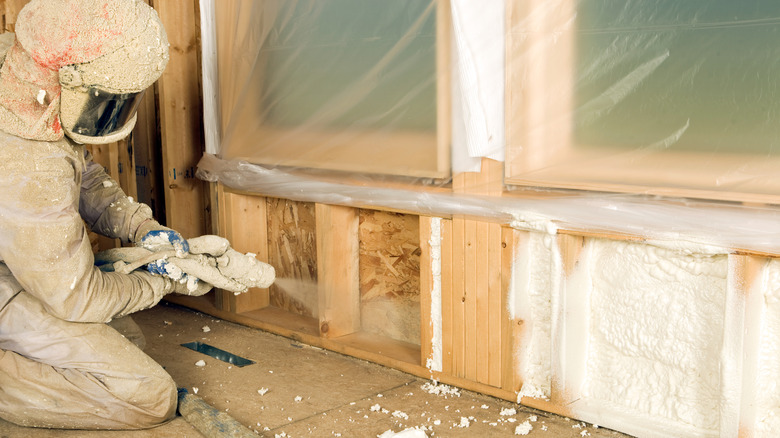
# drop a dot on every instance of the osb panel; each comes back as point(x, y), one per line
point(390, 274)
point(292, 250)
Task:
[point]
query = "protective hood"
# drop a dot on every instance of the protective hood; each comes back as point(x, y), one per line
point(75, 62)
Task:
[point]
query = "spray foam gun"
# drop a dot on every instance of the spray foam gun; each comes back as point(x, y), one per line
point(210, 259)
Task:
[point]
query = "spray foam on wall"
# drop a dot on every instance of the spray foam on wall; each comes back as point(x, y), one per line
point(655, 332)
point(533, 271)
point(639, 335)
point(434, 362)
point(768, 377)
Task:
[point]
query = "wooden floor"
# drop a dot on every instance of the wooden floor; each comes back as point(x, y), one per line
point(314, 392)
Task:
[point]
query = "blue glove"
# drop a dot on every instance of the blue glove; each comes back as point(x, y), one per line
point(156, 240)
point(163, 267)
point(183, 283)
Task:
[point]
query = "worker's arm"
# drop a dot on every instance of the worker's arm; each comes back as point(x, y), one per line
point(109, 212)
point(44, 243)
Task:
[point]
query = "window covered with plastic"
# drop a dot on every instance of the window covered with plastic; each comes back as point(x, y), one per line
point(618, 100)
point(344, 85)
point(655, 96)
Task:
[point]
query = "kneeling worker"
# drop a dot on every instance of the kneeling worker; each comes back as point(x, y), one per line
point(73, 73)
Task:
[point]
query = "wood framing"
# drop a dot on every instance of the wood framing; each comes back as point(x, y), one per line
point(567, 328)
point(481, 270)
point(430, 293)
point(337, 266)
point(511, 328)
point(181, 119)
point(10, 9)
point(245, 228)
point(746, 298)
point(476, 311)
point(319, 251)
point(146, 149)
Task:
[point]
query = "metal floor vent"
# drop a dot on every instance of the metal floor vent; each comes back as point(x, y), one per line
point(218, 353)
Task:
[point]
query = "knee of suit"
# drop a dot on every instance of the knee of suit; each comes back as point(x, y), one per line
point(153, 400)
point(164, 408)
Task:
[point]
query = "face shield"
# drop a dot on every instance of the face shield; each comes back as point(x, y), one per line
point(99, 99)
point(97, 116)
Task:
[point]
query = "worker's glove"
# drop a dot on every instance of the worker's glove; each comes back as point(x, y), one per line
point(155, 237)
point(211, 260)
point(191, 286)
point(165, 268)
point(183, 283)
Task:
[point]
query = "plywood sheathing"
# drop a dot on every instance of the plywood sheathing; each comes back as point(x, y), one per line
point(292, 248)
point(390, 275)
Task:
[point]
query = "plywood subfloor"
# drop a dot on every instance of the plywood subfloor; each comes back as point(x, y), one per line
point(311, 392)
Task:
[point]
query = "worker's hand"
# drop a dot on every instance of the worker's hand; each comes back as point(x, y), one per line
point(192, 287)
point(163, 267)
point(209, 245)
point(184, 284)
point(161, 238)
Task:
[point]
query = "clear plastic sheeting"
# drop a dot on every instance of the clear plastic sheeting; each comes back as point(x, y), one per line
point(343, 85)
point(687, 76)
point(408, 87)
point(712, 227)
point(638, 107)
point(650, 96)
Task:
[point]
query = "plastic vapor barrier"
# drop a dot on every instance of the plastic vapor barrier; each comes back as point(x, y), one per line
point(659, 96)
point(641, 117)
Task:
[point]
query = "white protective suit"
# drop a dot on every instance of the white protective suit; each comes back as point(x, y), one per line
point(61, 365)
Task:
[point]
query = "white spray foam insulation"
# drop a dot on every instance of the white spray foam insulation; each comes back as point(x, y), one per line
point(532, 273)
point(768, 376)
point(655, 336)
point(434, 362)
